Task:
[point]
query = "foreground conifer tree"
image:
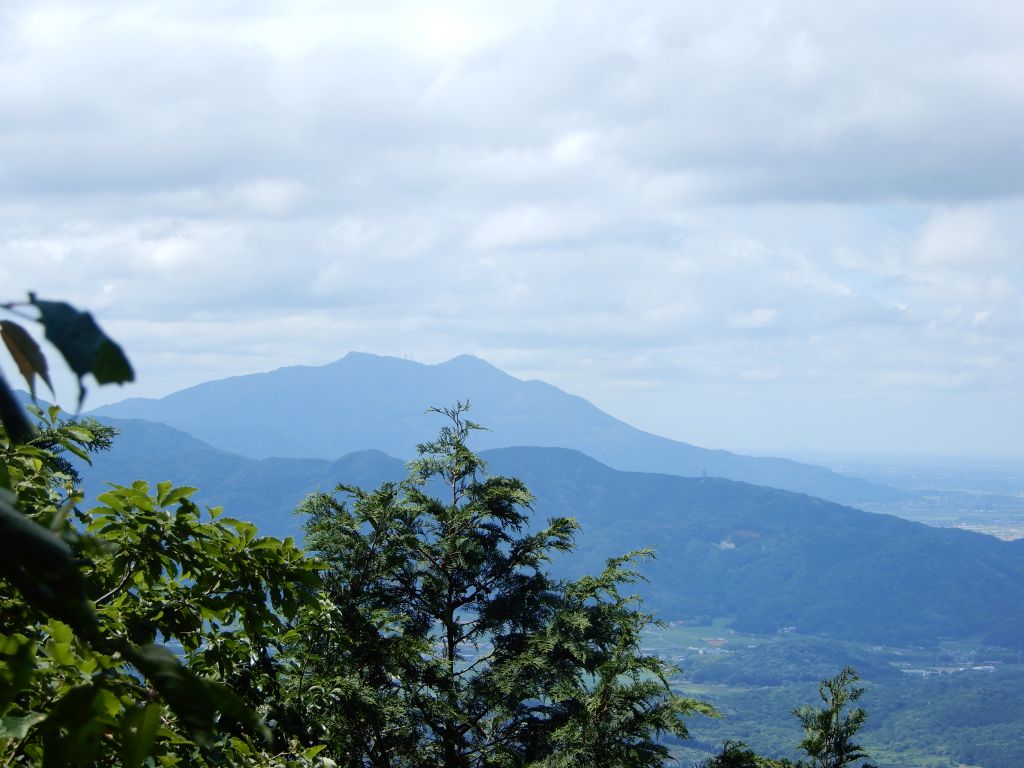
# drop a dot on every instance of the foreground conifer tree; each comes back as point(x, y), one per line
point(829, 730)
point(443, 640)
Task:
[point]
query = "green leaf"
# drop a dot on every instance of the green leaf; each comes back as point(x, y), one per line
point(177, 494)
point(195, 701)
point(76, 449)
point(233, 708)
point(83, 345)
point(81, 434)
point(184, 692)
point(14, 727)
point(162, 489)
point(26, 353)
point(72, 728)
point(43, 568)
point(111, 366)
point(138, 733)
point(13, 416)
point(19, 665)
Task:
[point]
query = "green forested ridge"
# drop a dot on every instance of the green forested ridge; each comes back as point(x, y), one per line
point(768, 558)
point(756, 687)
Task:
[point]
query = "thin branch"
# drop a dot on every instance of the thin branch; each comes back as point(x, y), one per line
point(128, 573)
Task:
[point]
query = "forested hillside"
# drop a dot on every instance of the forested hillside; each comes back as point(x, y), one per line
point(768, 558)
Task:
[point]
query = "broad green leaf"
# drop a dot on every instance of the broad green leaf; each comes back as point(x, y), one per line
point(82, 344)
point(72, 728)
point(111, 366)
point(162, 489)
point(59, 645)
point(19, 667)
point(15, 727)
point(76, 449)
point(138, 733)
point(26, 354)
point(185, 693)
point(233, 708)
point(177, 494)
point(79, 433)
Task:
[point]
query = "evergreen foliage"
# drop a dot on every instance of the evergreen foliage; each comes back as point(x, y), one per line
point(829, 730)
point(736, 754)
point(444, 640)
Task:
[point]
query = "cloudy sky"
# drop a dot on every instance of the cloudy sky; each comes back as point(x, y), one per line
point(765, 226)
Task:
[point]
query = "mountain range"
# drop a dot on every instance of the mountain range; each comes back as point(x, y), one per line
point(766, 557)
point(370, 402)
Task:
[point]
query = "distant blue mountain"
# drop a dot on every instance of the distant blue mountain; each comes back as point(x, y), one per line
point(369, 402)
point(765, 557)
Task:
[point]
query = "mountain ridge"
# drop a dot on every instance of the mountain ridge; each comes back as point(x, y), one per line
point(766, 557)
point(371, 401)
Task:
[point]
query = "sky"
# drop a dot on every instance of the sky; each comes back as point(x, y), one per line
point(772, 226)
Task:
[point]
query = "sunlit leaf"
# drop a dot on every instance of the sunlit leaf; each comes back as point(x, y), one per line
point(26, 354)
point(15, 727)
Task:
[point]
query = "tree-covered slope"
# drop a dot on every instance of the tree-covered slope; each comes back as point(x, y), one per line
point(263, 491)
point(369, 402)
point(775, 559)
point(769, 558)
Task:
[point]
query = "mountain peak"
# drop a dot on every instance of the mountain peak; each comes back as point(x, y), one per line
point(464, 361)
point(367, 401)
point(470, 360)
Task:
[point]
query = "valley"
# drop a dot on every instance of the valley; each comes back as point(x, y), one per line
point(956, 703)
point(972, 493)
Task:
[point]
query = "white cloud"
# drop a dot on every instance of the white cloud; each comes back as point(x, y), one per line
point(964, 238)
point(707, 203)
point(523, 226)
point(755, 318)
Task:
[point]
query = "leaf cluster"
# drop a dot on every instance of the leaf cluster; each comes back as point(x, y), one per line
point(187, 613)
point(139, 631)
